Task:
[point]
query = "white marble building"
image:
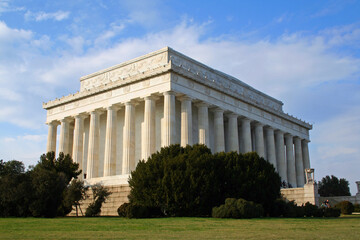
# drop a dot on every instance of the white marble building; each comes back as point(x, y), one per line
point(127, 112)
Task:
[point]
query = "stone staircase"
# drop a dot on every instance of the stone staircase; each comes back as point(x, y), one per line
point(119, 195)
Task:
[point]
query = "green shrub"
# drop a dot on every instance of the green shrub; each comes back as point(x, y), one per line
point(345, 207)
point(123, 210)
point(238, 208)
point(331, 212)
point(283, 208)
point(190, 181)
point(137, 211)
point(310, 210)
point(100, 194)
point(356, 207)
point(278, 208)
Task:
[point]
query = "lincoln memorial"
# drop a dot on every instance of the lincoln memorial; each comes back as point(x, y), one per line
point(125, 113)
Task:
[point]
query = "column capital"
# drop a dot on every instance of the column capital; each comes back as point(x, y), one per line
point(305, 140)
point(131, 102)
point(151, 97)
point(80, 115)
point(97, 111)
point(113, 107)
point(217, 110)
point(245, 119)
point(202, 104)
point(53, 123)
point(278, 131)
point(297, 138)
point(66, 119)
point(232, 115)
point(169, 93)
point(258, 124)
point(288, 135)
point(184, 98)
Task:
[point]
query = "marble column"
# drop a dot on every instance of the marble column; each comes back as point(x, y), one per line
point(299, 165)
point(233, 133)
point(291, 170)
point(71, 138)
point(51, 140)
point(280, 155)
point(245, 135)
point(186, 122)
point(169, 119)
point(219, 130)
point(270, 146)
point(305, 153)
point(77, 153)
point(300, 173)
point(129, 139)
point(64, 136)
point(110, 142)
point(148, 139)
point(259, 140)
point(93, 146)
point(203, 121)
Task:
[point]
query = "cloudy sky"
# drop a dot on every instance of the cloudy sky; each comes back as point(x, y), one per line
point(304, 53)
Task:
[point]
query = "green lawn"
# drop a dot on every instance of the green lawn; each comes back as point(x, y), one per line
point(180, 228)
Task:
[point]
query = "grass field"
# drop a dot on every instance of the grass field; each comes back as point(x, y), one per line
point(347, 227)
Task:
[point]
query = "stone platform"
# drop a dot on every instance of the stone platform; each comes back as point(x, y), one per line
point(119, 195)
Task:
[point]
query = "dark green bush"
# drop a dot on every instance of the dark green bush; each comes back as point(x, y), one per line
point(49, 179)
point(123, 210)
point(345, 207)
point(283, 208)
point(100, 194)
point(238, 208)
point(331, 212)
point(191, 181)
point(310, 210)
point(15, 189)
point(278, 208)
point(356, 207)
point(137, 211)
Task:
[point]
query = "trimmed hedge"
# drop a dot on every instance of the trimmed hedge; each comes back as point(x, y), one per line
point(331, 212)
point(238, 208)
point(357, 207)
point(137, 211)
point(283, 208)
point(345, 207)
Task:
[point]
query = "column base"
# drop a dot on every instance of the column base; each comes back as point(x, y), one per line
point(109, 180)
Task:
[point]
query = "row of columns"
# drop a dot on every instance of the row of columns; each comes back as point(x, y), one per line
point(288, 154)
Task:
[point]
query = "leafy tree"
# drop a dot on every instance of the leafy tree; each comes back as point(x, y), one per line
point(15, 189)
point(50, 178)
point(73, 194)
point(332, 186)
point(100, 194)
point(190, 181)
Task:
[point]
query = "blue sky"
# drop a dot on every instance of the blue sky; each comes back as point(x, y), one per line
point(304, 53)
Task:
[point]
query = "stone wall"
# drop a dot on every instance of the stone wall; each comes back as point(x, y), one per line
point(302, 195)
point(334, 200)
point(118, 197)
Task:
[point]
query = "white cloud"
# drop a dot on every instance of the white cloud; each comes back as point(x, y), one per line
point(25, 148)
point(43, 16)
point(143, 12)
point(8, 94)
point(5, 6)
point(104, 38)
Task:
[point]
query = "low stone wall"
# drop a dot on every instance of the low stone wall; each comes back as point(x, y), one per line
point(334, 200)
point(302, 195)
point(119, 195)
